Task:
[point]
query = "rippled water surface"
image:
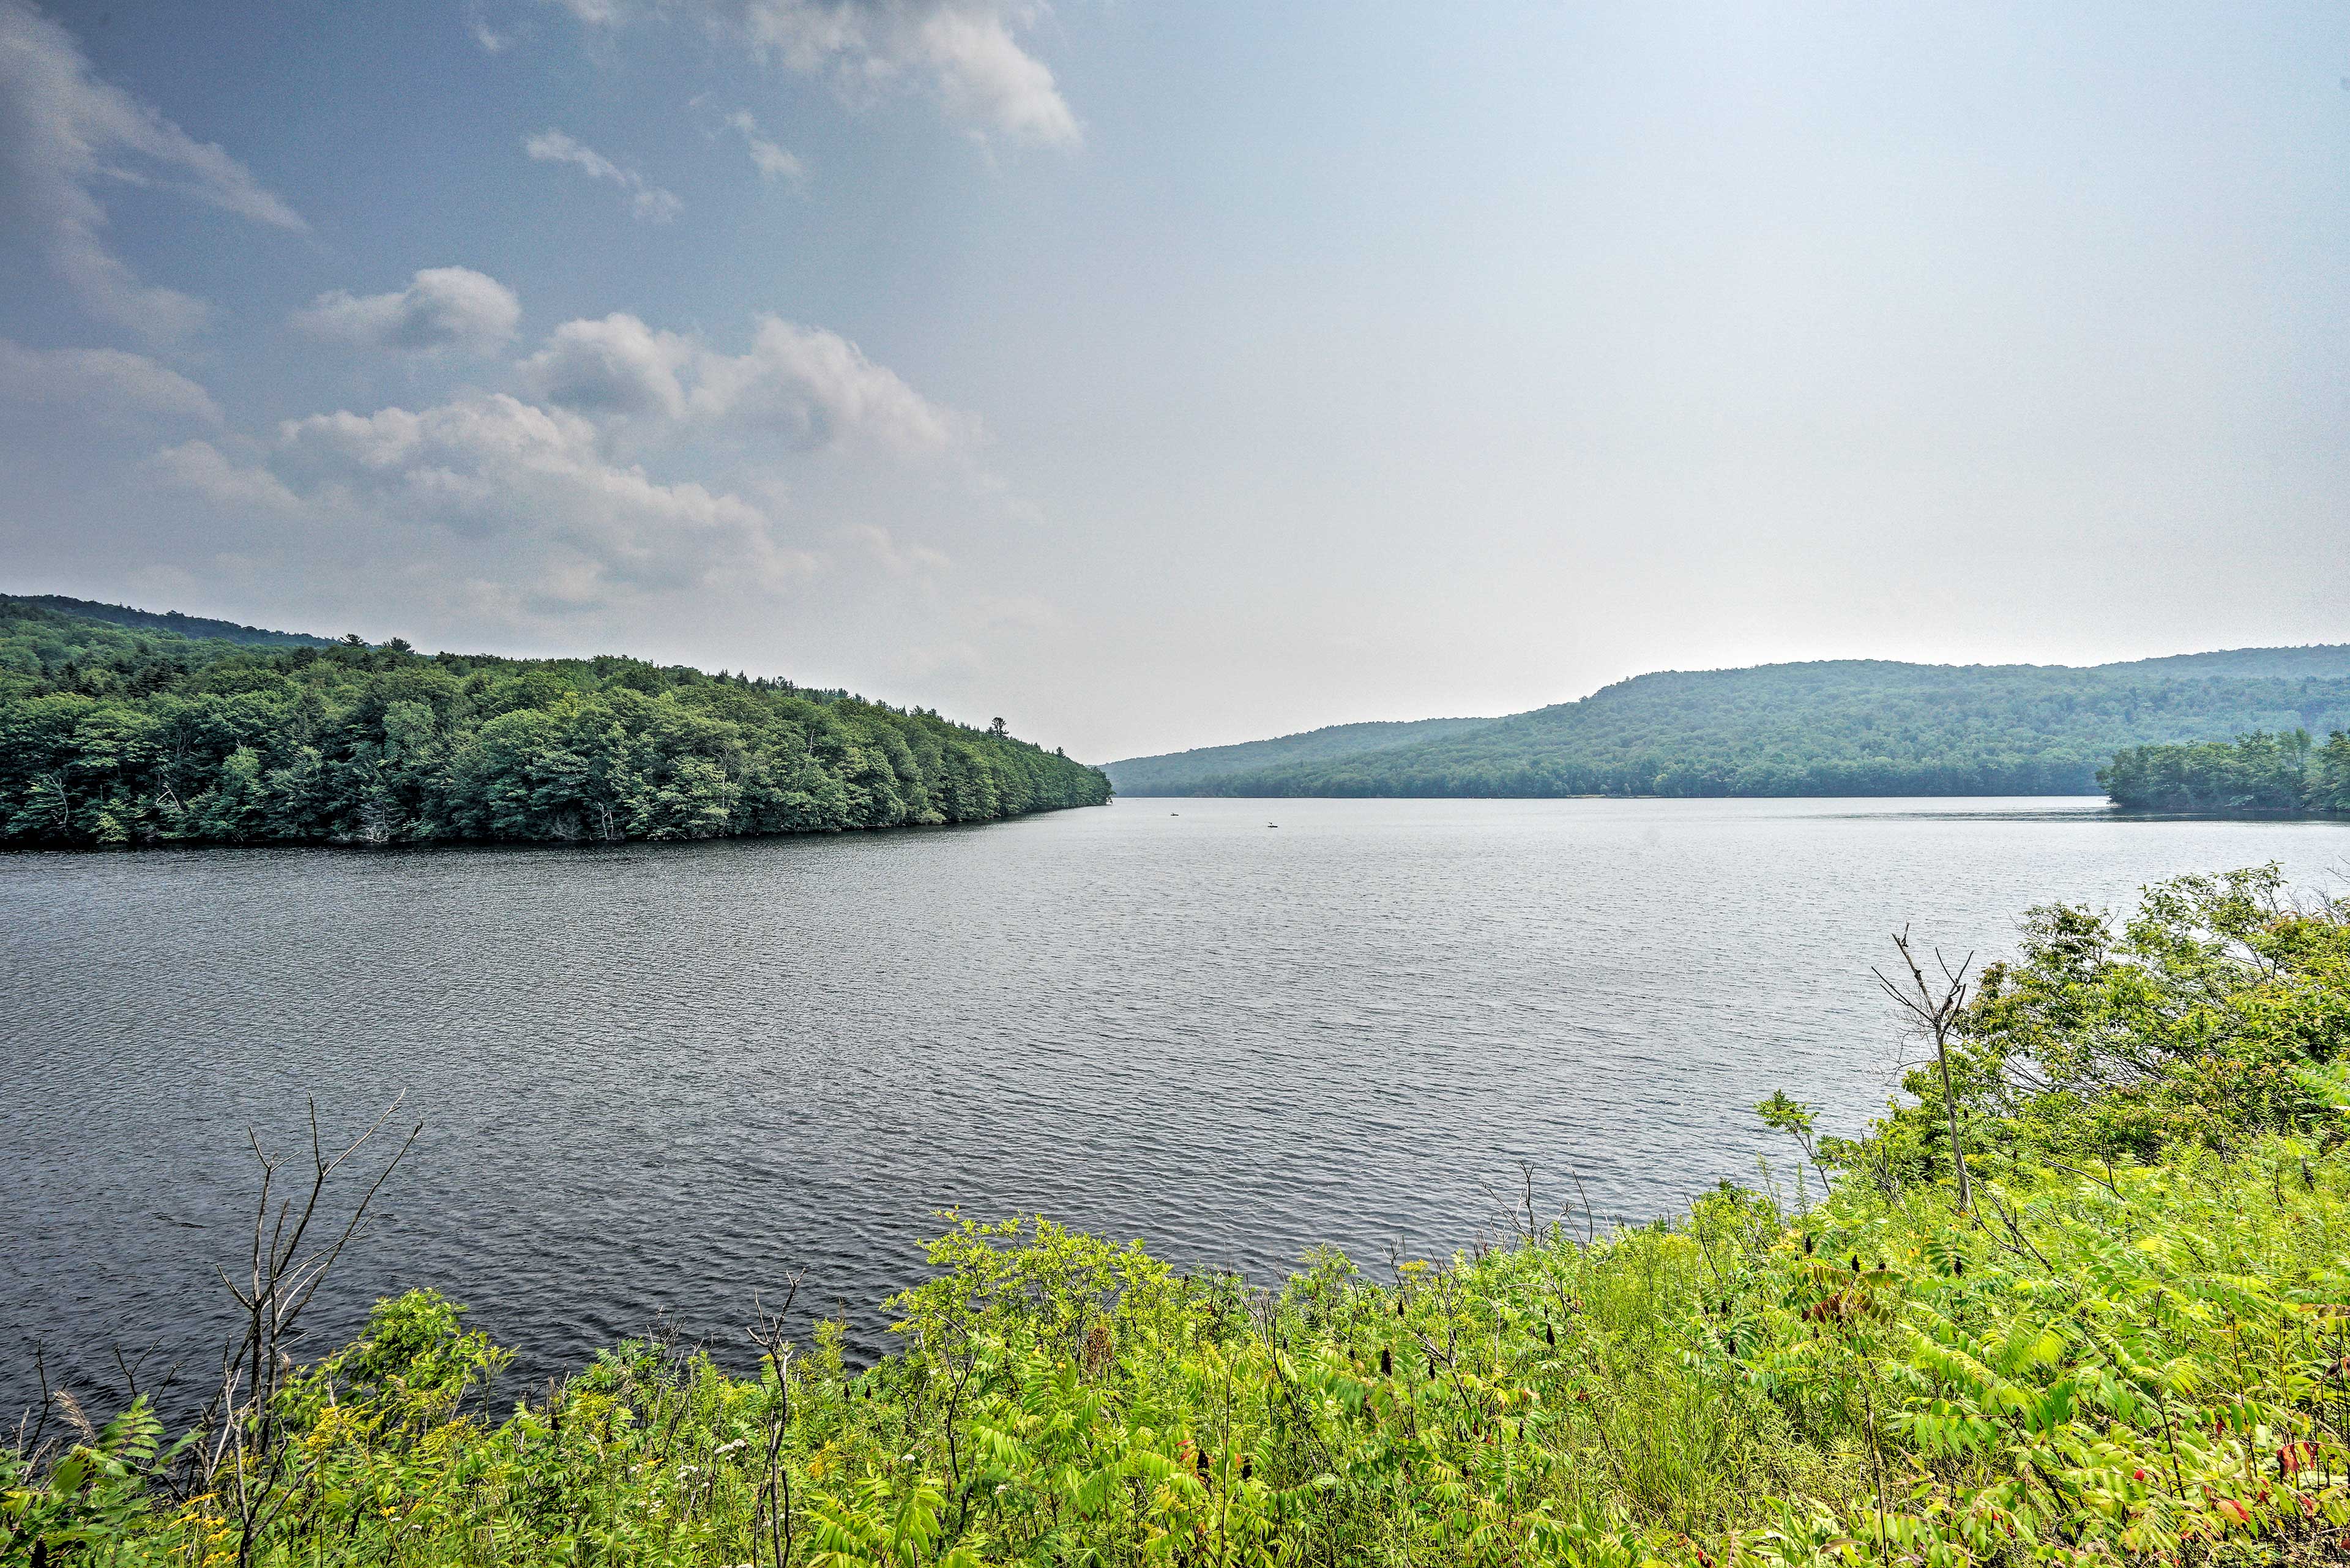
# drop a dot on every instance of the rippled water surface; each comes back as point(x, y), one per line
point(653, 1078)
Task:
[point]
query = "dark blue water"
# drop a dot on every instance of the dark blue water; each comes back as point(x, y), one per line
point(653, 1078)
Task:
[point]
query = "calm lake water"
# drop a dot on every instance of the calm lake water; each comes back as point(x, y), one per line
point(652, 1078)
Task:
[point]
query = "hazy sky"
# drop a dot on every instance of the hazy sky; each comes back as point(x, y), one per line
point(1158, 375)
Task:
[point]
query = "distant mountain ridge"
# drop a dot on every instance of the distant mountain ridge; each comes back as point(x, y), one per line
point(172, 621)
point(1139, 775)
point(1824, 728)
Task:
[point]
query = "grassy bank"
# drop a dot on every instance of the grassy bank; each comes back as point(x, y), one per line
point(2131, 1345)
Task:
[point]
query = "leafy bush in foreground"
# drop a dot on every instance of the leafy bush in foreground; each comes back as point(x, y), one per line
point(2105, 1359)
point(2142, 1366)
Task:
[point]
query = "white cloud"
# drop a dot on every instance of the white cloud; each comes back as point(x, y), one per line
point(489, 38)
point(105, 381)
point(815, 387)
point(898, 559)
point(540, 502)
point(495, 489)
point(618, 367)
point(62, 131)
point(202, 467)
point(441, 307)
point(600, 13)
point(772, 162)
point(964, 53)
point(645, 200)
point(496, 467)
point(805, 386)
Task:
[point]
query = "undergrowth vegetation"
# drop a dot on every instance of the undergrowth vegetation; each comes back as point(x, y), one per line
point(2133, 1345)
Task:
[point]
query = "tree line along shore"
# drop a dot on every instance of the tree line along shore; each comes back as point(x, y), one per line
point(2255, 773)
point(113, 735)
point(122, 727)
point(1833, 727)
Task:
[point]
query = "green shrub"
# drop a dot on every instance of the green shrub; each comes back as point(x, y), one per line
point(2134, 1346)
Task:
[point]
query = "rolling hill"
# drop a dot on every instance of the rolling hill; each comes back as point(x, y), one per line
point(1825, 728)
point(1145, 776)
point(191, 626)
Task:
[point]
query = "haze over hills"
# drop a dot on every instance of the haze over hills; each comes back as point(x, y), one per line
point(1863, 727)
point(1145, 776)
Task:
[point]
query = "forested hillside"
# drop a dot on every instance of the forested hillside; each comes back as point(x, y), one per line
point(173, 621)
point(1843, 727)
point(1148, 775)
point(114, 736)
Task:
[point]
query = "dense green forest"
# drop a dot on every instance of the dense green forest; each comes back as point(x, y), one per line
point(115, 736)
point(2087, 1310)
point(2251, 773)
point(1831, 728)
point(173, 621)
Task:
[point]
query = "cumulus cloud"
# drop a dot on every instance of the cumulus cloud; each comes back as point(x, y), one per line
point(106, 382)
point(965, 54)
point(804, 386)
point(772, 162)
point(516, 494)
point(203, 468)
point(546, 498)
point(617, 366)
point(894, 557)
point(493, 466)
point(645, 200)
point(62, 132)
point(441, 307)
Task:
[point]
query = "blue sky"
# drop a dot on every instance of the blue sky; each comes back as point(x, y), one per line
point(1158, 376)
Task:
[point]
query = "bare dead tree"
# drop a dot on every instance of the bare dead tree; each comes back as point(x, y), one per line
point(245, 1455)
point(1935, 1008)
point(49, 791)
point(1520, 1212)
point(776, 1491)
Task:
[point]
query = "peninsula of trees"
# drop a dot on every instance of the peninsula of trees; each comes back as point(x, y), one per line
point(114, 734)
point(1851, 727)
point(2251, 773)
